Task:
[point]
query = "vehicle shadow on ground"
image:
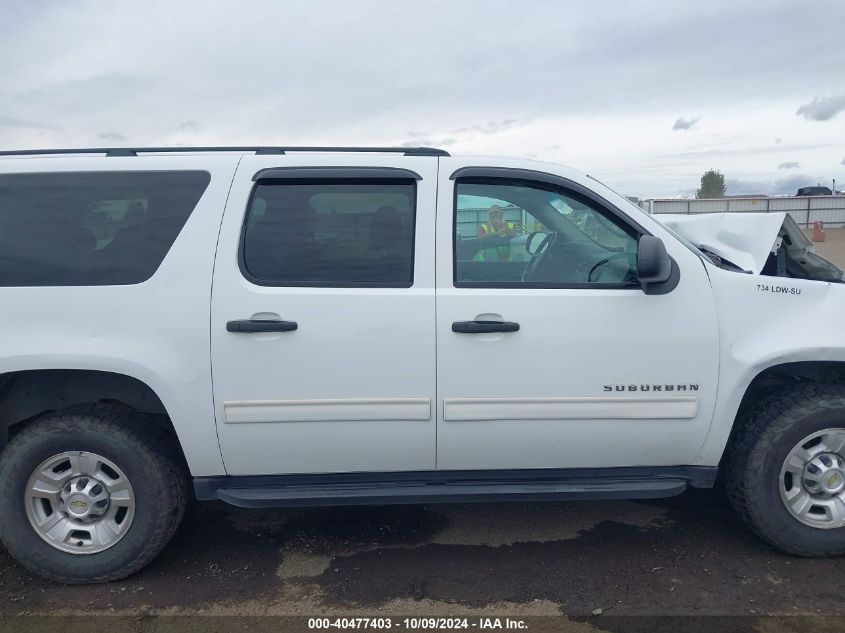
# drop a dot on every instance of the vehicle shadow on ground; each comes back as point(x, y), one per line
point(686, 555)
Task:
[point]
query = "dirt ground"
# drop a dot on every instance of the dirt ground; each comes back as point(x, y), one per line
point(686, 556)
point(833, 247)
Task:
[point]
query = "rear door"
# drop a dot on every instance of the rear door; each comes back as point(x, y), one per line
point(322, 317)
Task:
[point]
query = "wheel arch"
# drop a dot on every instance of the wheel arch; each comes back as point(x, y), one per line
point(776, 376)
point(27, 394)
point(789, 373)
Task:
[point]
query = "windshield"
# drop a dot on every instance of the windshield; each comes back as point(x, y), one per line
point(695, 249)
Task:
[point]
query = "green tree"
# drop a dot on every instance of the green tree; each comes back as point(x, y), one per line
point(712, 185)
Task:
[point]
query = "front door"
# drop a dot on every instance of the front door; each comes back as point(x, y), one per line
point(550, 354)
point(322, 318)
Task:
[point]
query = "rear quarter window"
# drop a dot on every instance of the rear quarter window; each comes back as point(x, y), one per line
point(91, 228)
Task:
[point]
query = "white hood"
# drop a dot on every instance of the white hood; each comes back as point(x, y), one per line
point(745, 239)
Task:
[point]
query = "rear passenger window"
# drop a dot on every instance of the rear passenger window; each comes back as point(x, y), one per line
point(91, 228)
point(330, 233)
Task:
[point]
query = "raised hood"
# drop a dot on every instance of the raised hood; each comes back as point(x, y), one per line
point(744, 239)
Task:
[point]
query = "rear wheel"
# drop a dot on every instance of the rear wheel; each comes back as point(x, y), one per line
point(785, 470)
point(90, 494)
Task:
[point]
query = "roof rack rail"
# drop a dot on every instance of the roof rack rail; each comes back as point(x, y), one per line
point(134, 151)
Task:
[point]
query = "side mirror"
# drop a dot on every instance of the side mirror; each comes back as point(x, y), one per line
point(654, 265)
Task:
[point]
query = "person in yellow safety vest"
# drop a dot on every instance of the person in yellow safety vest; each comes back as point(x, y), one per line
point(497, 226)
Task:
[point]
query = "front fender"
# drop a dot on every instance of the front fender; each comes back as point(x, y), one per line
point(765, 322)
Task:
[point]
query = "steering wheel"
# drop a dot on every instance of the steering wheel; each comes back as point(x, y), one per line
point(544, 247)
point(603, 261)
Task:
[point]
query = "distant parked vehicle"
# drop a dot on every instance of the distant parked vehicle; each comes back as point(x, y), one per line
point(814, 191)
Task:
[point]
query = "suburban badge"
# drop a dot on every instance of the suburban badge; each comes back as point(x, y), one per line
point(653, 387)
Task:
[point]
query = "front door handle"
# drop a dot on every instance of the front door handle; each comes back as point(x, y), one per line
point(261, 325)
point(482, 327)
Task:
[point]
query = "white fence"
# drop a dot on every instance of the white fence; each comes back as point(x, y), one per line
point(804, 209)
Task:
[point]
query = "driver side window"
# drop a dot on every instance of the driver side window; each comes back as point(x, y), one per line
point(517, 234)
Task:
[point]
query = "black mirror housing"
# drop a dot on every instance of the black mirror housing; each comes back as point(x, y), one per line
point(654, 265)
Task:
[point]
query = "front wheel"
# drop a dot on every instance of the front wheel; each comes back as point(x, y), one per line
point(90, 494)
point(786, 470)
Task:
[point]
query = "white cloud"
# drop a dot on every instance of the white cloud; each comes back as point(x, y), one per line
point(111, 136)
point(11, 122)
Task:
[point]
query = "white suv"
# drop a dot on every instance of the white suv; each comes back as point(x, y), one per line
point(304, 326)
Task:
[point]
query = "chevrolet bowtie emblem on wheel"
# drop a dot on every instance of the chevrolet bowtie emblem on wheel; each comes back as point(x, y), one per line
point(832, 481)
point(78, 504)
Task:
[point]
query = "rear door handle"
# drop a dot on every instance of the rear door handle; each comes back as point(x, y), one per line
point(261, 325)
point(482, 327)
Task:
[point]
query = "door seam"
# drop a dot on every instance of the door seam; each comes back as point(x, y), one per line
point(210, 314)
point(436, 403)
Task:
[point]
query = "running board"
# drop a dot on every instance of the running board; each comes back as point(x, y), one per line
point(456, 487)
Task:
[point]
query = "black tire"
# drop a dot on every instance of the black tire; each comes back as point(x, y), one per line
point(764, 438)
point(147, 456)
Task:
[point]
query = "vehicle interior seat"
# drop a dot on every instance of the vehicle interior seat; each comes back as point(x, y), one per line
point(281, 244)
point(389, 239)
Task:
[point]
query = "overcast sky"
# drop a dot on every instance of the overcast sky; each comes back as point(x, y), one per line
point(642, 95)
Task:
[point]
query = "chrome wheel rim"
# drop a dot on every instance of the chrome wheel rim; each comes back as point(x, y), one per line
point(812, 480)
point(80, 502)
